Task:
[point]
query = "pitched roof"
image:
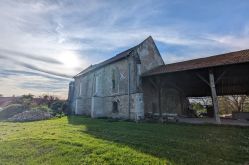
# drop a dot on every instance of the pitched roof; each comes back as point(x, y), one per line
point(212, 61)
point(111, 60)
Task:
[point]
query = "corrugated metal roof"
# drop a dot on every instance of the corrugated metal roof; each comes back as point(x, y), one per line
point(212, 61)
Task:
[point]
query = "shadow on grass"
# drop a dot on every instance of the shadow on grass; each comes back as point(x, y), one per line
point(179, 143)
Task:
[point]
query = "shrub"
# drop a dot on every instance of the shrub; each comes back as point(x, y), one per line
point(59, 115)
point(26, 101)
point(11, 110)
point(43, 108)
point(57, 107)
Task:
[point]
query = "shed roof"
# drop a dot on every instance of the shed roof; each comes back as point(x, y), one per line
point(241, 56)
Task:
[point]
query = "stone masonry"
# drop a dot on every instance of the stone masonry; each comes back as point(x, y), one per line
point(113, 88)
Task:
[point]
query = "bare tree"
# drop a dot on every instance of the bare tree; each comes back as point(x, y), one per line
point(202, 100)
point(27, 100)
point(206, 101)
point(48, 99)
point(236, 102)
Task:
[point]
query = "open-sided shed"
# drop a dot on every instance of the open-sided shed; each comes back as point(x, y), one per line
point(225, 74)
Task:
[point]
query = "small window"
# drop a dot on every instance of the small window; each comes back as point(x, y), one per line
point(113, 84)
point(113, 80)
point(115, 107)
point(96, 85)
point(80, 89)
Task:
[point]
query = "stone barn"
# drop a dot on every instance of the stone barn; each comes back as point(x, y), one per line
point(113, 88)
point(136, 83)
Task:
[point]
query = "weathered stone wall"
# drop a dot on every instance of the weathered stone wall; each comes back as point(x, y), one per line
point(122, 106)
point(71, 99)
point(97, 109)
point(172, 100)
point(83, 106)
point(149, 55)
point(99, 85)
point(94, 93)
point(83, 94)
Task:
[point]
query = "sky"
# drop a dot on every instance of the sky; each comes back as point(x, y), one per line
point(44, 43)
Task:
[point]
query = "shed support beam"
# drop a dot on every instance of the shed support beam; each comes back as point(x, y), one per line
point(159, 88)
point(203, 79)
point(159, 102)
point(221, 76)
point(153, 83)
point(214, 97)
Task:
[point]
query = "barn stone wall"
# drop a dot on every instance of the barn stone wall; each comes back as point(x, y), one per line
point(149, 55)
point(172, 100)
point(94, 94)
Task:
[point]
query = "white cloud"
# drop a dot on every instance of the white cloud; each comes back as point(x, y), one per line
point(79, 33)
point(232, 42)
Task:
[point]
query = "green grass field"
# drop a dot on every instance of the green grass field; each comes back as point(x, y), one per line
point(80, 140)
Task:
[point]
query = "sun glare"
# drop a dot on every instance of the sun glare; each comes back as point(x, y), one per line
point(69, 59)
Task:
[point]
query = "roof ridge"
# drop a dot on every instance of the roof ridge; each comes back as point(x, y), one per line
point(235, 57)
point(117, 57)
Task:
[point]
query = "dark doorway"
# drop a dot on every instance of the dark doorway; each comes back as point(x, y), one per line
point(115, 107)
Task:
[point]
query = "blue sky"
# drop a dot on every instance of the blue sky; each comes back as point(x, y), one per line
point(44, 43)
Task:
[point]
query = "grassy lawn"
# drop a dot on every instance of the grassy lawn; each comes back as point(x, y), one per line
point(80, 140)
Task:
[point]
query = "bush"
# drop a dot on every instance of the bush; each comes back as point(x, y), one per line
point(43, 108)
point(56, 107)
point(11, 110)
point(26, 101)
point(60, 115)
point(198, 109)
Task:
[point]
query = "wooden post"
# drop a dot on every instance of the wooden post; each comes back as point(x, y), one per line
point(214, 97)
point(159, 102)
point(159, 88)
